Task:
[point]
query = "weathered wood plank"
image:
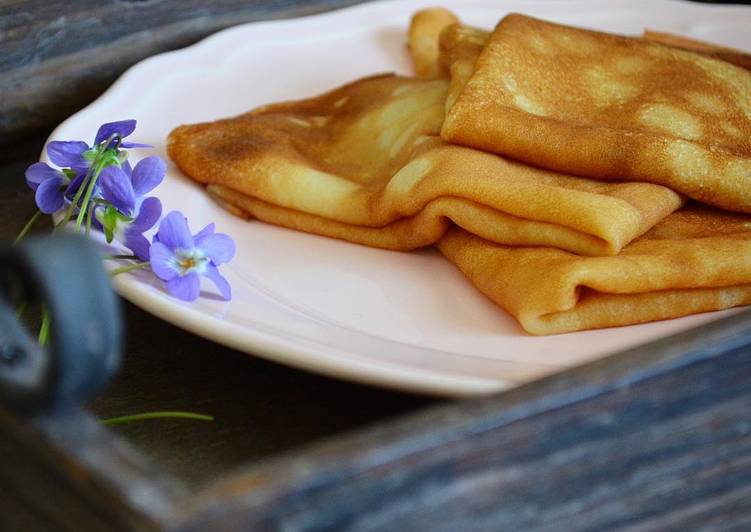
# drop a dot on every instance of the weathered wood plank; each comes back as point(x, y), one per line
point(65, 471)
point(657, 438)
point(56, 56)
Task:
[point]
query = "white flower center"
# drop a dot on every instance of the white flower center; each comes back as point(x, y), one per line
point(190, 260)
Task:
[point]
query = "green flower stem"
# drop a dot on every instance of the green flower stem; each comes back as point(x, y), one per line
point(119, 257)
point(157, 415)
point(44, 328)
point(89, 192)
point(130, 267)
point(89, 216)
point(92, 175)
point(71, 208)
point(26, 227)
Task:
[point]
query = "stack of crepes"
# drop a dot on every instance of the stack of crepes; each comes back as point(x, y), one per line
point(578, 179)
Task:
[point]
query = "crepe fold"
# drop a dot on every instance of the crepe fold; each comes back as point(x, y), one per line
point(696, 260)
point(364, 163)
point(427, 25)
point(422, 40)
point(731, 55)
point(609, 107)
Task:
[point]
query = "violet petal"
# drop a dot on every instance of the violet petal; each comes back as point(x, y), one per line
point(40, 172)
point(67, 154)
point(117, 189)
point(125, 166)
point(49, 195)
point(74, 185)
point(212, 273)
point(137, 243)
point(186, 287)
point(122, 127)
point(148, 215)
point(174, 231)
point(130, 145)
point(163, 261)
point(208, 230)
point(219, 247)
point(82, 167)
point(147, 174)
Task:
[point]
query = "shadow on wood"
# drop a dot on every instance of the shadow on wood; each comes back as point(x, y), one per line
point(57, 56)
point(654, 438)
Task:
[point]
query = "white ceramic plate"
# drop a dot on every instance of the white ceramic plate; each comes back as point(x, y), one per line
point(402, 320)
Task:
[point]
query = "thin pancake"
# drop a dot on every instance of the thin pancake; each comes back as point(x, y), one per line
point(460, 46)
point(696, 260)
point(422, 40)
point(731, 55)
point(363, 163)
point(610, 107)
point(428, 57)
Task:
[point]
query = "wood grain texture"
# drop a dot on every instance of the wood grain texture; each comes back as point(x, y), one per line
point(657, 438)
point(64, 471)
point(56, 56)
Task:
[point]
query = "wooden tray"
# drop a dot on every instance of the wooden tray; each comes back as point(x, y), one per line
point(655, 438)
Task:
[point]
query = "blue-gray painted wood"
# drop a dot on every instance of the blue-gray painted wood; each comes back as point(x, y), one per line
point(656, 438)
point(56, 56)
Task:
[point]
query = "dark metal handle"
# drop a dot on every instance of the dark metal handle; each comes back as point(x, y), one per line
point(65, 275)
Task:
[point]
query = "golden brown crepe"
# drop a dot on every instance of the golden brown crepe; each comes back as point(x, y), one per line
point(610, 107)
point(430, 59)
point(731, 55)
point(460, 46)
point(363, 163)
point(422, 40)
point(696, 260)
point(427, 25)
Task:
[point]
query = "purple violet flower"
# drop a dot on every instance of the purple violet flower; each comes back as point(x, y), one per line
point(52, 186)
point(69, 154)
point(123, 128)
point(179, 258)
point(125, 187)
point(130, 215)
point(49, 186)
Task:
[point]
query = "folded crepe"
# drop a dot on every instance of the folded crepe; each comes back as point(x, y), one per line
point(459, 47)
point(440, 45)
point(609, 107)
point(363, 163)
point(696, 260)
point(422, 40)
point(427, 25)
point(731, 55)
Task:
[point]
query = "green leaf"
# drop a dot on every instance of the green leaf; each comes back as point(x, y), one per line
point(110, 157)
point(109, 219)
point(157, 415)
point(70, 174)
